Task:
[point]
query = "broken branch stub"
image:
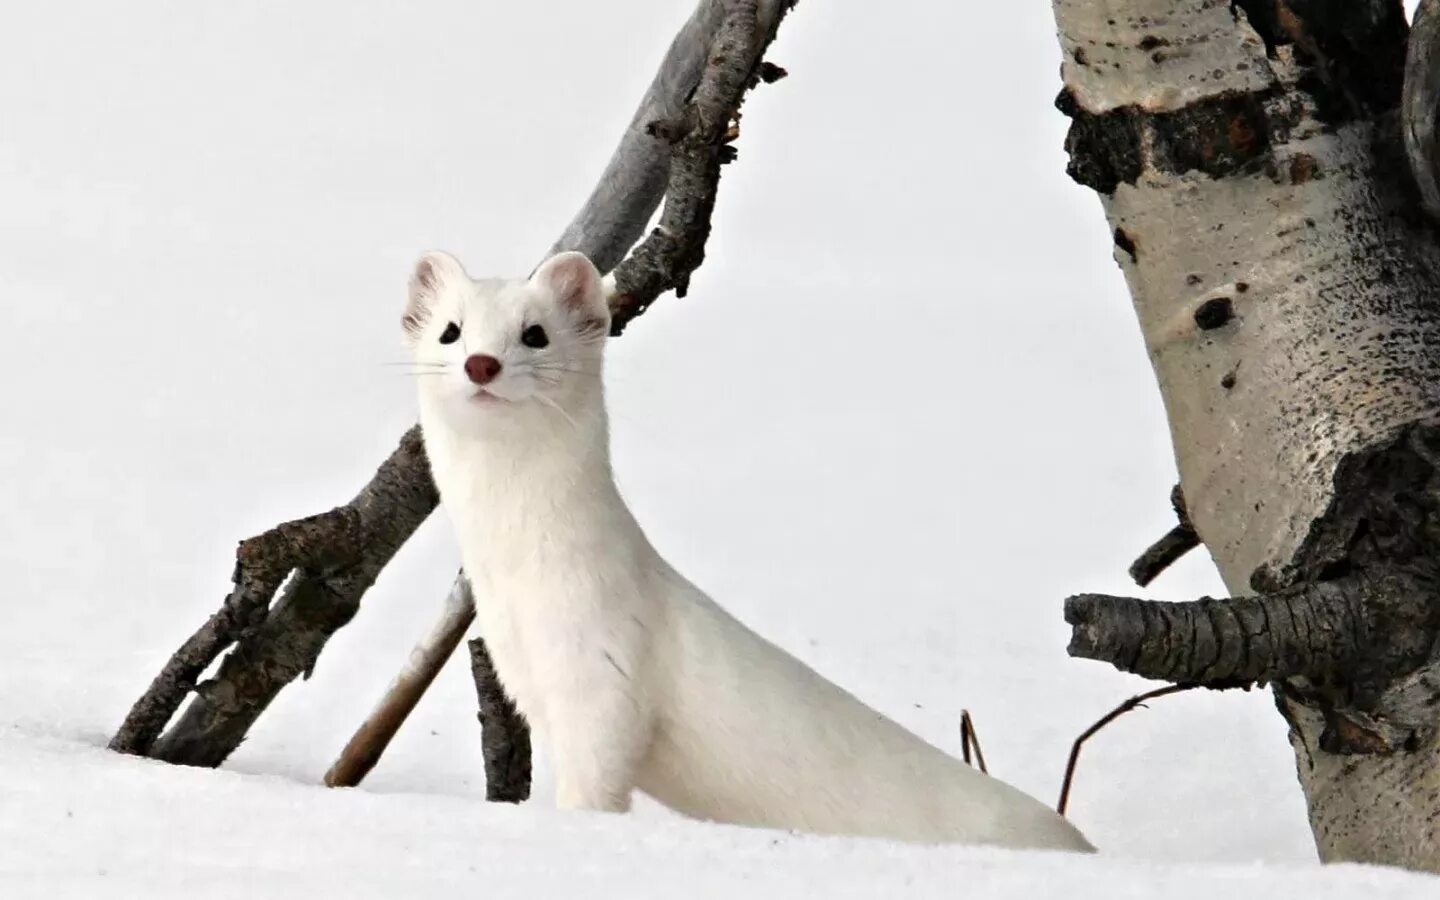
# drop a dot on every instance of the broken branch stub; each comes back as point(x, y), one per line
point(1165, 552)
point(1139, 700)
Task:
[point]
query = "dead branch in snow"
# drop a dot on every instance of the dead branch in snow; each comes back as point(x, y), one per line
point(1137, 701)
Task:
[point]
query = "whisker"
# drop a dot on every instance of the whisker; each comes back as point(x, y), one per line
point(555, 406)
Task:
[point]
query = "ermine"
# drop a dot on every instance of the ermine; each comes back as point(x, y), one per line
point(631, 677)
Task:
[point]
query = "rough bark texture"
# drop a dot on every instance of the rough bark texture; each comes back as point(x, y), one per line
point(335, 558)
point(504, 735)
point(1250, 163)
point(700, 136)
point(276, 647)
point(629, 191)
point(1422, 103)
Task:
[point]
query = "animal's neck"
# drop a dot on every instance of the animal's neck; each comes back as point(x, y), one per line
point(531, 460)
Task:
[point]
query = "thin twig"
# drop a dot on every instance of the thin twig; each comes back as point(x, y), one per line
point(969, 739)
point(1162, 554)
point(1117, 712)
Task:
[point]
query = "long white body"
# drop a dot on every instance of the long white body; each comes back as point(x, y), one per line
point(634, 679)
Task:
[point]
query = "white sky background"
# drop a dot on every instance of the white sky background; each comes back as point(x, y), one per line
point(904, 412)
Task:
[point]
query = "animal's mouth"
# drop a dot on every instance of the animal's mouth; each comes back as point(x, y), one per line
point(483, 396)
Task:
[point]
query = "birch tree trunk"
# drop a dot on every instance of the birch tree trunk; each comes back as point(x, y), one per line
point(1248, 157)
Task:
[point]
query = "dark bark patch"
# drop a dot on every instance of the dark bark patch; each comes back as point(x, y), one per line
point(1358, 45)
point(1220, 136)
point(1125, 242)
point(1303, 168)
point(1105, 148)
point(1214, 313)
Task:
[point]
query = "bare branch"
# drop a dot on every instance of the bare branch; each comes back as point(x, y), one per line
point(1162, 554)
point(701, 136)
point(427, 659)
point(1112, 715)
point(1313, 630)
point(504, 734)
point(1179, 541)
point(970, 741)
point(324, 549)
point(697, 146)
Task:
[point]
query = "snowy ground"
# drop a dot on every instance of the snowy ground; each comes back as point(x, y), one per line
point(903, 413)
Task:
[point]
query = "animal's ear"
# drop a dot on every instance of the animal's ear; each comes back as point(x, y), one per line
point(432, 273)
point(575, 284)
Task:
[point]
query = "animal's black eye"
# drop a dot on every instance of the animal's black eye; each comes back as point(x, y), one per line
point(534, 337)
point(451, 334)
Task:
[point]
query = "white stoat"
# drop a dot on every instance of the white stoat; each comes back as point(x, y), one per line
point(631, 676)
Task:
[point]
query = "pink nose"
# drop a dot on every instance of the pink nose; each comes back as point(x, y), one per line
point(482, 369)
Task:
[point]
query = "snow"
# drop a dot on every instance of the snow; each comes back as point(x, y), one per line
point(903, 413)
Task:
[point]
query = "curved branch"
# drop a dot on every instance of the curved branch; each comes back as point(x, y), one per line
point(312, 607)
point(1313, 630)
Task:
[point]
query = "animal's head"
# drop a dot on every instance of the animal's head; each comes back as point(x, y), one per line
point(482, 346)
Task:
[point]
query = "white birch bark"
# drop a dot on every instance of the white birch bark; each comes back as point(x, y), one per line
point(1290, 310)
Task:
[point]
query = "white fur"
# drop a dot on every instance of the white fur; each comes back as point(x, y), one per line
point(630, 675)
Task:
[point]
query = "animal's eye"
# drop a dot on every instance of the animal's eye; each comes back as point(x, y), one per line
point(451, 334)
point(534, 337)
